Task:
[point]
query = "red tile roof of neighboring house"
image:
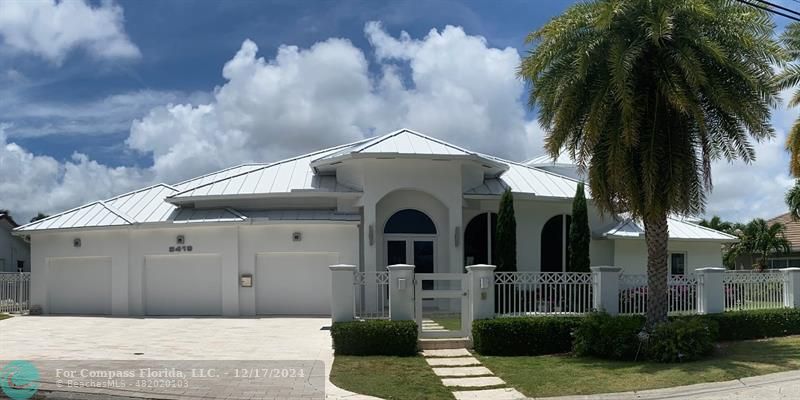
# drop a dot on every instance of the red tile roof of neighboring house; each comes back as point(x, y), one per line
point(792, 231)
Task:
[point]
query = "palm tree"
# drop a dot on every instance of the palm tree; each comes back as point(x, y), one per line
point(761, 239)
point(718, 224)
point(793, 200)
point(789, 78)
point(645, 95)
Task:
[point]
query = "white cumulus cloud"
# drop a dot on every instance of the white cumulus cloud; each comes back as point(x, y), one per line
point(51, 29)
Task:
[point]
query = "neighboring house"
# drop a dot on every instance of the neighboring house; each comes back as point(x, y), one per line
point(258, 238)
point(792, 233)
point(15, 252)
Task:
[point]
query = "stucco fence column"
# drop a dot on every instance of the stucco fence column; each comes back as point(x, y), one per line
point(342, 292)
point(710, 290)
point(605, 289)
point(791, 287)
point(401, 292)
point(480, 281)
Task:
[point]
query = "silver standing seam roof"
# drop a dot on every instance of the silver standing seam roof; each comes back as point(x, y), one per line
point(679, 229)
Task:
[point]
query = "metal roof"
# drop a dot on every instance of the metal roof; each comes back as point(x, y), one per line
point(215, 176)
point(406, 142)
point(192, 215)
point(286, 176)
point(95, 214)
point(545, 160)
point(679, 229)
point(524, 179)
point(145, 205)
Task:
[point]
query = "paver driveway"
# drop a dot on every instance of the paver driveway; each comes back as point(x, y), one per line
point(109, 338)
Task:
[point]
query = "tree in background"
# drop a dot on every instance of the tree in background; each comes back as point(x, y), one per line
point(789, 78)
point(580, 235)
point(793, 200)
point(732, 228)
point(644, 95)
point(506, 234)
point(39, 216)
point(759, 239)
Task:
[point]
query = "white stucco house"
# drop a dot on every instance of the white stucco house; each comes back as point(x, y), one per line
point(15, 252)
point(190, 248)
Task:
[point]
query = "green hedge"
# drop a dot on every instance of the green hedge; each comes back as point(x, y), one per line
point(743, 325)
point(375, 337)
point(681, 339)
point(524, 336)
point(601, 335)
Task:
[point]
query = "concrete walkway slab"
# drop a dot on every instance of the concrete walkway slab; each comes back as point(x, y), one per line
point(447, 353)
point(489, 394)
point(452, 362)
point(462, 371)
point(473, 382)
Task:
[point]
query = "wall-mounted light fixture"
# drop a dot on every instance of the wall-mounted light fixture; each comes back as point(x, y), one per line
point(401, 283)
point(484, 282)
point(180, 239)
point(457, 238)
point(76, 242)
point(371, 235)
point(297, 236)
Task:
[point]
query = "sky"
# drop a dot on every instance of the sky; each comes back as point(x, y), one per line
point(101, 97)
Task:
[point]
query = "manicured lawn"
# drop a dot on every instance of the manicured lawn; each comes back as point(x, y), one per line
point(568, 375)
point(388, 377)
point(451, 322)
point(4, 316)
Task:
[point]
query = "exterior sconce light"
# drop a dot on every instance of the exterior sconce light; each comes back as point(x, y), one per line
point(76, 242)
point(484, 282)
point(297, 236)
point(401, 283)
point(457, 238)
point(371, 235)
point(180, 239)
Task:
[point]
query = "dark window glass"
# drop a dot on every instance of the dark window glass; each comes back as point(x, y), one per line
point(396, 252)
point(476, 244)
point(677, 263)
point(554, 238)
point(409, 221)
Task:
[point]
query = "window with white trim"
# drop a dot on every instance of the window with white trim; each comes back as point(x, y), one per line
point(677, 263)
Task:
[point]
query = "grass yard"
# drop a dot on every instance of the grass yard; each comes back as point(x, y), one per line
point(4, 316)
point(393, 378)
point(450, 322)
point(566, 375)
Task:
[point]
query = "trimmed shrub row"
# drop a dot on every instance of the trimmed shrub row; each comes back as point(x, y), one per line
point(524, 336)
point(683, 338)
point(743, 325)
point(375, 337)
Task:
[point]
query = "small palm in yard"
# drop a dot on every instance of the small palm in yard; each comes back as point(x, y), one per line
point(645, 95)
point(759, 239)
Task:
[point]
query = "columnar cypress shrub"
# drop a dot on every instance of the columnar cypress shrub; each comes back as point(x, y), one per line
point(506, 234)
point(579, 234)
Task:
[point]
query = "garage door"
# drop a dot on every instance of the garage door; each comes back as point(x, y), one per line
point(294, 283)
point(183, 285)
point(80, 285)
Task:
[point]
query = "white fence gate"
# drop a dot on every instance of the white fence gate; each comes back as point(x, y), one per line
point(441, 302)
point(15, 292)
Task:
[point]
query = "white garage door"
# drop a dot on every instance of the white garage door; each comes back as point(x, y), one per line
point(294, 283)
point(80, 285)
point(183, 285)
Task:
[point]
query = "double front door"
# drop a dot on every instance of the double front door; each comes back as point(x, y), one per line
point(418, 251)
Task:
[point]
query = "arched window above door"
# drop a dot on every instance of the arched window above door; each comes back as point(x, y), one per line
point(410, 221)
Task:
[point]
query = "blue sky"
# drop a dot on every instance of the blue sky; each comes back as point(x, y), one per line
point(97, 98)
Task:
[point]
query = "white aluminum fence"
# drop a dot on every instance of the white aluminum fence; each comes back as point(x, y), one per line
point(681, 294)
point(753, 290)
point(371, 291)
point(15, 292)
point(529, 293)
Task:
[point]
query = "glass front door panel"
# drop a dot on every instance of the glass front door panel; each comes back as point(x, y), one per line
point(423, 260)
point(396, 252)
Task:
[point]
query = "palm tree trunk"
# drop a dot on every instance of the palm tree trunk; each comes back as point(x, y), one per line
point(656, 237)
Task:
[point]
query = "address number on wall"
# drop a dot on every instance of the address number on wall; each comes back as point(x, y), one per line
point(178, 249)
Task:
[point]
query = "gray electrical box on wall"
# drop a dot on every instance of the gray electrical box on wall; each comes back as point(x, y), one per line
point(246, 280)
